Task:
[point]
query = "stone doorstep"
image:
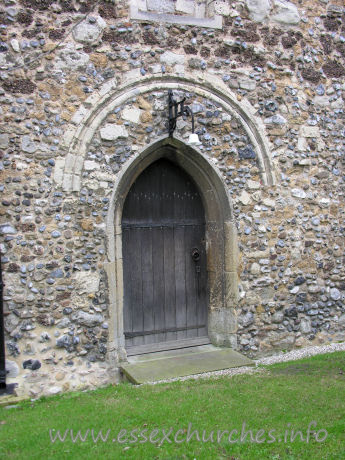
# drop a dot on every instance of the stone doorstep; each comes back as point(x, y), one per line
point(10, 400)
point(180, 363)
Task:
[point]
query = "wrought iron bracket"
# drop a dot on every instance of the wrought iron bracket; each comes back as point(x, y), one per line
point(177, 109)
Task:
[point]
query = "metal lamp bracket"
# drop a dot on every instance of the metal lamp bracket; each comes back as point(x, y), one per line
point(177, 109)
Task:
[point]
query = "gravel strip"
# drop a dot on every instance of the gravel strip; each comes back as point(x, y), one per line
point(278, 358)
point(302, 353)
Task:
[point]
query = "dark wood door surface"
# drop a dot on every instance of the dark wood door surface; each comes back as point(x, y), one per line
point(164, 258)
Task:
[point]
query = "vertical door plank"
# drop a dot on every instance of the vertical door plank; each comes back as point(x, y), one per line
point(158, 282)
point(190, 282)
point(180, 280)
point(147, 279)
point(169, 282)
point(136, 280)
point(202, 297)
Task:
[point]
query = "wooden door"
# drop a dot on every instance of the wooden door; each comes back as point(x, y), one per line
point(164, 258)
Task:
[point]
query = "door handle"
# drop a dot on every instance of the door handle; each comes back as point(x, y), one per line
point(195, 254)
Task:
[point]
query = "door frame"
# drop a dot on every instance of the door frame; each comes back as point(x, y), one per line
point(221, 242)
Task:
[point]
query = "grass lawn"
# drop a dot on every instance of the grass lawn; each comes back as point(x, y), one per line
point(284, 397)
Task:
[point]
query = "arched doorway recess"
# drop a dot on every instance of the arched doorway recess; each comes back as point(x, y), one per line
point(220, 241)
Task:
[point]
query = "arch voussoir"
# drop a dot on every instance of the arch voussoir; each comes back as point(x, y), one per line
point(88, 121)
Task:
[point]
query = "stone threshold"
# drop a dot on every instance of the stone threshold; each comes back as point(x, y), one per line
point(180, 363)
point(10, 400)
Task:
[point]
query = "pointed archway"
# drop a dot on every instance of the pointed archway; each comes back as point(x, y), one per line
point(221, 242)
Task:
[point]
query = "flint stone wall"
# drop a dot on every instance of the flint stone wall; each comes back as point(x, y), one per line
point(59, 61)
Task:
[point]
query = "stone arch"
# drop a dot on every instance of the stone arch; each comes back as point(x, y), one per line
point(221, 230)
point(222, 259)
point(68, 170)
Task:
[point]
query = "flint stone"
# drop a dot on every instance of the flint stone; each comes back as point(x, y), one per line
point(89, 33)
point(12, 369)
point(291, 312)
point(44, 337)
point(298, 193)
point(32, 364)
point(11, 11)
point(87, 319)
point(15, 45)
point(27, 326)
point(264, 261)
point(65, 341)
point(65, 322)
point(247, 319)
point(247, 153)
point(314, 289)
point(4, 141)
point(301, 297)
point(10, 323)
point(111, 131)
point(324, 202)
point(278, 317)
point(299, 280)
point(28, 145)
point(320, 90)
point(281, 340)
point(197, 108)
point(58, 273)
point(269, 202)
point(71, 59)
point(335, 294)
point(13, 348)
point(255, 269)
point(305, 326)
point(7, 229)
point(276, 120)
point(54, 390)
point(338, 104)
point(39, 276)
